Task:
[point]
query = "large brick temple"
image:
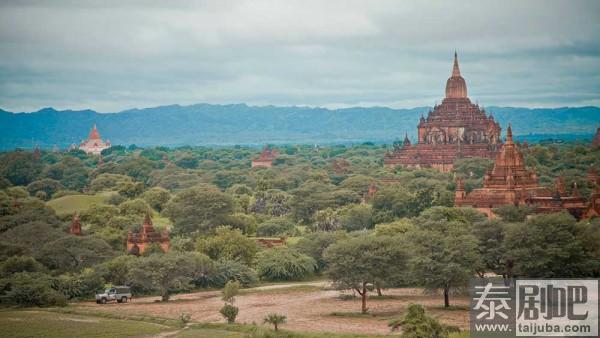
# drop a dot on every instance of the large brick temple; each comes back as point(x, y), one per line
point(455, 128)
point(511, 183)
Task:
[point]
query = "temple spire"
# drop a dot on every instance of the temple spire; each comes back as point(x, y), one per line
point(455, 69)
point(509, 136)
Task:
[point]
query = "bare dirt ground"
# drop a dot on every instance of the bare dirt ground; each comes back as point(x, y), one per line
point(306, 310)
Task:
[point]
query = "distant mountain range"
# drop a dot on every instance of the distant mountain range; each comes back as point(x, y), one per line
point(207, 124)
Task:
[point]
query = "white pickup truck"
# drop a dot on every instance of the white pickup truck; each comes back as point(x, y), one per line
point(121, 294)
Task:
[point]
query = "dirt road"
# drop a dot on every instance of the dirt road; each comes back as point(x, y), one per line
point(306, 310)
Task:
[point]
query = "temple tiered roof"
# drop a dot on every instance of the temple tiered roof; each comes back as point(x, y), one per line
point(94, 144)
point(511, 183)
point(453, 129)
point(138, 242)
point(266, 158)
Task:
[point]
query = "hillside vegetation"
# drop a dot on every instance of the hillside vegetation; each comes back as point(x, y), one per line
point(205, 124)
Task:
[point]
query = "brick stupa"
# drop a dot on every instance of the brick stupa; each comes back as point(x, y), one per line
point(596, 140)
point(511, 183)
point(455, 128)
point(75, 227)
point(138, 242)
point(265, 159)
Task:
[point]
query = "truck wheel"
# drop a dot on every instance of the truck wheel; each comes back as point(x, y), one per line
point(124, 300)
point(103, 300)
point(97, 301)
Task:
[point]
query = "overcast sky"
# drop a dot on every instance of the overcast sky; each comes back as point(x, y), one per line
point(109, 56)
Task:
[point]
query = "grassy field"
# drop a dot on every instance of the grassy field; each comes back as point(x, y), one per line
point(62, 323)
point(67, 205)
point(71, 203)
point(37, 323)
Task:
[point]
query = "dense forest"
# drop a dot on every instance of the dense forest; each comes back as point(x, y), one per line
point(216, 207)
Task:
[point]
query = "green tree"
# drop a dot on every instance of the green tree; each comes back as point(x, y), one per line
point(84, 284)
point(230, 291)
point(156, 197)
point(31, 289)
point(166, 272)
point(394, 228)
point(511, 213)
point(492, 248)
point(116, 270)
point(547, 246)
point(31, 236)
point(228, 270)
point(366, 260)
point(137, 207)
point(19, 167)
point(310, 197)
point(443, 259)
point(358, 183)
point(73, 253)
point(283, 263)
point(198, 209)
point(393, 201)
point(109, 182)
point(229, 244)
point(229, 311)
point(327, 220)
point(46, 185)
point(356, 217)
point(131, 189)
point(276, 227)
point(20, 264)
point(314, 245)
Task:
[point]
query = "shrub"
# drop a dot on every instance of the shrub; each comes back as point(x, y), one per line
point(47, 185)
point(116, 199)
point(276, 227)
point(314, 244)
point(184, 318)
point(228, 244)
point(229, 292)
point(356, 217)
point(80, 285)
point(31, 289)
point(20, 264)
point(229, 312)
point(284, 264)
point(416, 324)
point(156, 197)
point(228, 270)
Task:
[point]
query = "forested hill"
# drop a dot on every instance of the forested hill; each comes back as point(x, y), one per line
point(206, 124)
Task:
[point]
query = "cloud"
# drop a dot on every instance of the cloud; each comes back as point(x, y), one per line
point(115, 55)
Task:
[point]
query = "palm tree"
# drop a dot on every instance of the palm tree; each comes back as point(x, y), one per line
point(275, 319)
